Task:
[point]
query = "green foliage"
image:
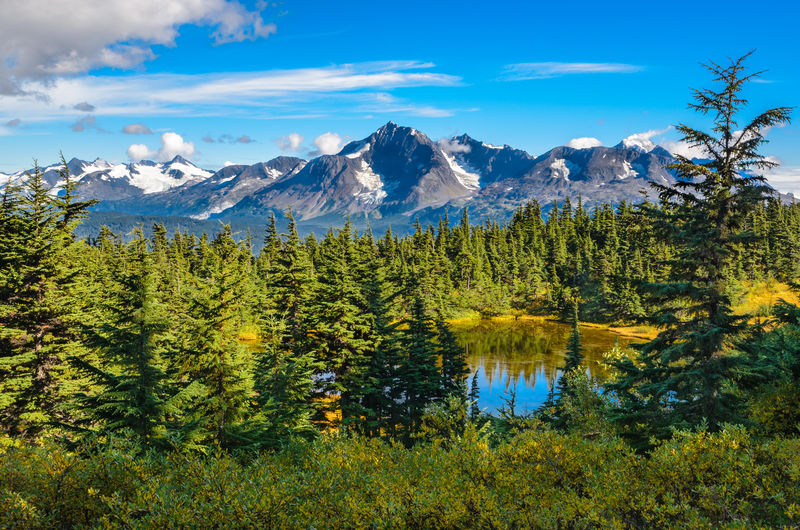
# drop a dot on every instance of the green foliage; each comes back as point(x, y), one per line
point(539, 479)
point(135, 343)
point(39, 268)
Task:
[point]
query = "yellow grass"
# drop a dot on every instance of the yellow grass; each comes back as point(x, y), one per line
point(248, 332)
point(759, 297)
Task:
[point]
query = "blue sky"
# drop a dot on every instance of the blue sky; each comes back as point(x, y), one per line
point(246, 81)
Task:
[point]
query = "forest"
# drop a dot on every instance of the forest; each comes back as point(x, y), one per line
point(184, 380)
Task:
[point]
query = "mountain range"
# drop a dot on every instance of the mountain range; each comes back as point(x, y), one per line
point(393, 176)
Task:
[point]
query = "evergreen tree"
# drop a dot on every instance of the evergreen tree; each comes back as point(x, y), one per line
point(135, 342)
point(454, 364)
point(341, 336)
point(572, 362)
point(37, 309)
point(419, 376)
point(284, 385)
point(474, 394)
point(212, 353)
point(687, 374)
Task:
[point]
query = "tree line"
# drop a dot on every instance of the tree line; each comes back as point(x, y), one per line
point(121, 332)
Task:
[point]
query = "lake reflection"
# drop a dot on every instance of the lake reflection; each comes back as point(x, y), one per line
point(526, 354)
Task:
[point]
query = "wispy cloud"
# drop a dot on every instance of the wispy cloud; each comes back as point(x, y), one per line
point(223, 94)
point(545, 70)
point(385, 103)
point(291, 143)
point(86, 123)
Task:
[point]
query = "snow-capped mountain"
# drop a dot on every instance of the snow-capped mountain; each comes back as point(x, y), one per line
point(595, 174)
point(392, 176)
point(212, 195)
point(102, 180)
point(394, 170)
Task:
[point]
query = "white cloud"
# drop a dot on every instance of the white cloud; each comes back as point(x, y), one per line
point(643, 140)
point(677, 147)
point(450, 146)
point(328, 143)
point(172, 145)
point(229, 163)
point(137, 128)
point(48, 39)
point(137, 152)
point(523, 71)
point(785, 179)
point(227, 93)
point(292, 142)
point(385, 103)
point(584, 142)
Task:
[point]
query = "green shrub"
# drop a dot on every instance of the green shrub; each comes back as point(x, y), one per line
point(539, 479)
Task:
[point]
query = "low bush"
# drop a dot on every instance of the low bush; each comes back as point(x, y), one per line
point(539, 479)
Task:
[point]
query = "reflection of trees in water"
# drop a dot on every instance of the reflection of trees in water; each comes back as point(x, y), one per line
point(525, 352)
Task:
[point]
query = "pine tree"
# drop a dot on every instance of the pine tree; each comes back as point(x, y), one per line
point(211, 352)
point(135, 341)
point(454, 364)
point(474, 394)
point(687, 374)
point(419, 377)
point(572, 362)
point(38, 276)
point(342, 326)
point(284, 386)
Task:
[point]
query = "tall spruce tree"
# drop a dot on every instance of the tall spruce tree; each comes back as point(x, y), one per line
point(687, 374)
point(135, 342)
point(37, 309)
point(211, 352)
point(454, 363)
point(342, 325)
point(419, 376)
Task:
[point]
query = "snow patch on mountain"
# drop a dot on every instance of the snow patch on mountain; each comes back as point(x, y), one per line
point(5, 178)
point(363, 149)
point(218, 208)
point(189, 170)
point(627, 171)
point(157, 178)
point(560, 169)
point(98, 165)
point(371, 191)
point(469, 180)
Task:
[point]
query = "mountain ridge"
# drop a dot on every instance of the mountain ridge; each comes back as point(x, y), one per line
point(392, 176)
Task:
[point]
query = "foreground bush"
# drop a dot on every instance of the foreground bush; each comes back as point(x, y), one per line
point(538, 479)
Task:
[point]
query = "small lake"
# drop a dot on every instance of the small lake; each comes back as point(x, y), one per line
point(526, 354)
